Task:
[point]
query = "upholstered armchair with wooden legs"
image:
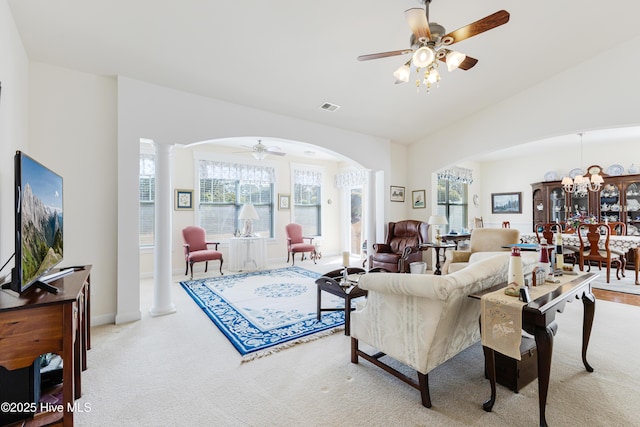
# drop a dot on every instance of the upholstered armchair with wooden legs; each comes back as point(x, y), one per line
point(196, 249)
point(297, 243)
point(594, 246)
point(484, 243)
point(402, 246)
point(423, 320)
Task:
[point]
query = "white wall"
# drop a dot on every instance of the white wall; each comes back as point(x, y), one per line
point(517, 174)
point(73, 131)
point(185, 177)
point(14, 123)
point(168, 116)
point(577, 100)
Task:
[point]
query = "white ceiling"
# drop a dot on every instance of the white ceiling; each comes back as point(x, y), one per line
point(289, 57)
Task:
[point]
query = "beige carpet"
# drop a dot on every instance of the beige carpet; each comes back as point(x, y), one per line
point(179, 370)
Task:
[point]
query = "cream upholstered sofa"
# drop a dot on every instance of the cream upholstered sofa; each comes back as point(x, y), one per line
point(423, 320)
point(484, 243)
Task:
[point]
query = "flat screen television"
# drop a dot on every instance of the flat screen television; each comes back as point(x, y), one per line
point(38, 223)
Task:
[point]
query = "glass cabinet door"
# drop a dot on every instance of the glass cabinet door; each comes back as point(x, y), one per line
point(632, 209)
point(610, 209)
point(558, 205)
point(579, 204)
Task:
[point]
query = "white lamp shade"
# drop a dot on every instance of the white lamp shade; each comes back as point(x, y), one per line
point(402, 73)
point(423, 57)
point(454, 59)
point(248, 211)
point(597, 179)
point(437, 220)
point(567, 181)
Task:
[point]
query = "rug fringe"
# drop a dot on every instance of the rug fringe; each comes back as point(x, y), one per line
point(272, 350)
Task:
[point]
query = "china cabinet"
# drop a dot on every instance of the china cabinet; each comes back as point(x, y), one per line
point(617, 200)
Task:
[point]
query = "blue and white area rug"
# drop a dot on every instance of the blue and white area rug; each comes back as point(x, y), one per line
point(262, 312)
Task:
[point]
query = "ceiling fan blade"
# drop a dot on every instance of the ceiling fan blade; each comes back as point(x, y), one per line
point(417, 20)
point(467, 64)
point(248, 147)
point(383, 54)
point(485, 24)
point(276, 153)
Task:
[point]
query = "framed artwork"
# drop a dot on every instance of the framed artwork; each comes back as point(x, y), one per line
point(397, 194)
point(506, 203)
point(418, 199)
point(184, 200)
point(284, 201)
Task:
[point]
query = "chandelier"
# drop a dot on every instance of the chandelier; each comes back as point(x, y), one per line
point(425, 59)
point(430, 43)
point(581, 185)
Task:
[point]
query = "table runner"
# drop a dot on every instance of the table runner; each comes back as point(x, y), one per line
point(501, 317)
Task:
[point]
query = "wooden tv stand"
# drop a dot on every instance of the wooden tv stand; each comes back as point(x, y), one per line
point(37, 322)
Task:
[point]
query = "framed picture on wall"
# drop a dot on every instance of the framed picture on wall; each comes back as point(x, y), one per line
point(418, 199)
point(506, 203)
point(283, 202)
point(184, 200)
point(397, 194)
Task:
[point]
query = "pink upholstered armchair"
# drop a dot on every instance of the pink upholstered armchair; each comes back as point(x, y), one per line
point(196, 249)
point(296, 243)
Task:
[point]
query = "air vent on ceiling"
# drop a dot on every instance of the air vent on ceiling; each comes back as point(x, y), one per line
point(329, 106)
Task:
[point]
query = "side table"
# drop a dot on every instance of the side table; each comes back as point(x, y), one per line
point(437, 247)
point(332, 283)
point(247, 253)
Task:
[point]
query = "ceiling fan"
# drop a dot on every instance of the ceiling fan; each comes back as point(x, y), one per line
point(429, 43)
point(260, 151)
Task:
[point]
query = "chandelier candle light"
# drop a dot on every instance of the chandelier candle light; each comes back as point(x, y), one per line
point(248, 213)
point(581, 185)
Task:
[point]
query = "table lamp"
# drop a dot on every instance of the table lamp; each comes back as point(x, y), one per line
point(437, 221)
point(248, 213)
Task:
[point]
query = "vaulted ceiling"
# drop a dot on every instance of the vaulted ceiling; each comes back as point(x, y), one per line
point(289, 57)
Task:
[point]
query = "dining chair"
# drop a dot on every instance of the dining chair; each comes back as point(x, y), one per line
point(619, 228)
point(478, 222)
point(547, 231)
point(506, 224)
point(196, 248)
point(597, 236)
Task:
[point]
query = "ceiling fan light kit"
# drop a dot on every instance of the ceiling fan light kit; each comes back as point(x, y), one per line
point(428, 45)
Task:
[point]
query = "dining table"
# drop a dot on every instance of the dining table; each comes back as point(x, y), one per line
point(623, 243)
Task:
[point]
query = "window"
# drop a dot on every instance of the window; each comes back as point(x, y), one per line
point(147, 199)
point(452, 203)
point(307, 201)
point(224, 188)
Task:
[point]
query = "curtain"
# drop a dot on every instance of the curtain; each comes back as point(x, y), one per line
point(306, 177)
point(457, 174)
point(235, 171)
point(351, 179)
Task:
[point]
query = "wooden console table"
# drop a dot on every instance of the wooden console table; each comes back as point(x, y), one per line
point(538, 319)
point(37, 322)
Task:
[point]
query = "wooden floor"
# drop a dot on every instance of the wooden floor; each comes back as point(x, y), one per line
point(617, 297)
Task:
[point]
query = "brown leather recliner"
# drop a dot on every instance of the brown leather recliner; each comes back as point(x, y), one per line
point(401, 247)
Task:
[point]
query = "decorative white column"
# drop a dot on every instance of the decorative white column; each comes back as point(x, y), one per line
point(162, 301)
point(370, 213)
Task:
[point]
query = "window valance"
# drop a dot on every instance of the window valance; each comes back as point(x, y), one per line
point(147, 165)
point(352, 179)
point(306, 177)
point(236, 171)
point(457, 174)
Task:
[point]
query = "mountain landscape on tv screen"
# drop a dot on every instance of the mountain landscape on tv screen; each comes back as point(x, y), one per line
point(41, 235)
